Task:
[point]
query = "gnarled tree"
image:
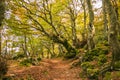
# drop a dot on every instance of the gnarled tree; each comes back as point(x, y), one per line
point(114, 43)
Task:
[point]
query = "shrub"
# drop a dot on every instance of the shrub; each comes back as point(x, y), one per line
point(102, 59)
point(3, 67)
point(86, 65)
point(70, 55)
point(30, 61)
point(26, 62)
point(107, 76)
point(92, 74)
point(117, 65)
point(39, 59)
point(89, 70)
point(18, 56)
point(89, 56)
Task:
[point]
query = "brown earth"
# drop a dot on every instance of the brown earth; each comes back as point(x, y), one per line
point(49, 69)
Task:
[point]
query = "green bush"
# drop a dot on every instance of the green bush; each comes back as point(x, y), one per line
point(18, 56)
point(26, 62)
point(90, 71)
point(104, 51)
point(92, 74)
point(3, 67)
point(30, 61)
point(39, 59)
point(117, 64)
point(89, 56)
point(107, 76)
point(102, 59)
point(70, 55)
point(86, 65)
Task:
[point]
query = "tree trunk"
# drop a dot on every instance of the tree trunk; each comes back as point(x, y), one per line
point(0, 42)
point(70, 50)
point(85, 28)
point(91, 29)
point(114, 43)
point(73, 16)
point(25, 46)
point(2, 11)
point(105, 21)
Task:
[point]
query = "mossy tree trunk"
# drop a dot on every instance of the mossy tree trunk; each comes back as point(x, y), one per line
point(114, 43)
point(85, 16)
point(2, 11)
point(105, 21)
point(91, 29)
point(70, 49)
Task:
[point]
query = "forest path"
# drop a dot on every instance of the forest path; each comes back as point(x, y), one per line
point(49, 69)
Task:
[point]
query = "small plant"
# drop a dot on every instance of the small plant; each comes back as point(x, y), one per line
point(102, 59)
point(92, 74)
point(89, 71)
point(107, 76)
point(86, 65)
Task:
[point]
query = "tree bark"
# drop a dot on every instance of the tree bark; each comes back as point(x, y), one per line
point(114, 43)
point(2, 11)
point(105, 21)
point(91, 29)
point(85, 28)
point(65, 43)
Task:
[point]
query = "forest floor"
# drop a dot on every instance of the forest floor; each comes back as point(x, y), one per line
point(48, 69)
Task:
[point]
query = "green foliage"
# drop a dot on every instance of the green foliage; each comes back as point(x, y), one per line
point(39, 59)
point(70, 54)
point(30, 61)
point(26, 62)
point(91, 55)
point(93, 60)
point(92, 74)
point(90, 71)
point(18, 56)
point(117, 64)
point(3, 67)
point(107, 76)
point(102, 59)
point(86, 65)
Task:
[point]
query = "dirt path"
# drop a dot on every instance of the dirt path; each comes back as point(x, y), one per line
point(49, 69)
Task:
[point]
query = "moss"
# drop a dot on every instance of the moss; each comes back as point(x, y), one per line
point(102, 59)
point(117, 65)
point(86, 65)
point(92, 74)
point(107, 76)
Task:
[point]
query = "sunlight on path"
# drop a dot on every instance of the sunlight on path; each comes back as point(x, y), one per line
point(49, 69)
